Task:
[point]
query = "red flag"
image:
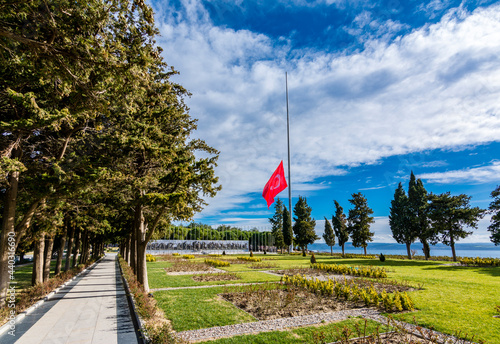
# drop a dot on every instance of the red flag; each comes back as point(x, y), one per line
point(275, 185)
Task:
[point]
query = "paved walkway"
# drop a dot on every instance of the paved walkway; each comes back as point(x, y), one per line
point(91, 309)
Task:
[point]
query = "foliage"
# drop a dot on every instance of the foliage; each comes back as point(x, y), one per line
point(150, 258)
point(479, 261)
point(277, 224)
point(304, 224)
point(313, 259)
point(217, 263)
point(400, 220)
point(450, 214)
point(350, 291)
point(249, 259)
point(359, 221)
point(382, 257)
point(362, 271)
point(339, 223)
point(188, 256)
point(328, 235)
point(494, 209)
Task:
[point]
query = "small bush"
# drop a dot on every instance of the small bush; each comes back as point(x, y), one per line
point(217, 263)
point(187, 256)
point(251, 254)
point(313, 259)
point(223, 253)
point(176, 254)
point(382, 257)
point(250, 259)
point(150, 258)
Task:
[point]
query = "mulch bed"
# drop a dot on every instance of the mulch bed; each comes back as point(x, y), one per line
point(265, 303)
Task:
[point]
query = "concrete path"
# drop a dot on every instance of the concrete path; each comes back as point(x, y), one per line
point(91, 309)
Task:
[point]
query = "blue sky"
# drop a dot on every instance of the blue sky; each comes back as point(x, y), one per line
point(377, 89)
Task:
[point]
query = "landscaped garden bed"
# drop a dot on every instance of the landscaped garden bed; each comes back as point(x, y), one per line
point(222, 276)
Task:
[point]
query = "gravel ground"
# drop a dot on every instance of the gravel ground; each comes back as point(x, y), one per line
point(273, 325)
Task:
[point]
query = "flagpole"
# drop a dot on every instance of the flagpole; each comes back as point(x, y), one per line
point(288, 142)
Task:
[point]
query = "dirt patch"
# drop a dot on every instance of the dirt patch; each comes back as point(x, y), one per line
point(387, 338)
point(183, 265)
point(227, 276)
point(267, 302)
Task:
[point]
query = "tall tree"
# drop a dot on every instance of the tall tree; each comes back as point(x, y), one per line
point(450, 214)
point(303, 227)
point(277, 225)
point(339, 222)
point(329, 236)
point(418, 217)
point(287, 229)
point(494, 208)
point(399, 220)
point(359, 221)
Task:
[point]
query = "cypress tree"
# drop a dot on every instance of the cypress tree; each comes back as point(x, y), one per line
point(304, 224)
point(329, 236)
point(277, 225)
point(399, 220)
point(339, 222)
point(359, 221)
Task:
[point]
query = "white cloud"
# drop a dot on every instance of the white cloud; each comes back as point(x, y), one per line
point(437, 87)
point(474, 175)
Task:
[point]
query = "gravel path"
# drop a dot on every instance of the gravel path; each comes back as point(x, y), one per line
point(273, 325)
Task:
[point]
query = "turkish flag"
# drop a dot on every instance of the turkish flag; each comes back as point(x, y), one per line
point(275, 185)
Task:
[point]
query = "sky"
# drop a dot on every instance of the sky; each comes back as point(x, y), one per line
point(377, 89)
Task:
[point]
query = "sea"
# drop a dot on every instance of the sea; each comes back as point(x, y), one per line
point(482, 250)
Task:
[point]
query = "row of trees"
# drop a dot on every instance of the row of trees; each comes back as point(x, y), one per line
point(95, 139)
point(416, 215)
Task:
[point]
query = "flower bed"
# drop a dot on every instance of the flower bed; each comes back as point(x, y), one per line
point(363, 271)
point(217, 263)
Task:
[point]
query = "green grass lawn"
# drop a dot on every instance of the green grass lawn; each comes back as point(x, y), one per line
point(453, 299)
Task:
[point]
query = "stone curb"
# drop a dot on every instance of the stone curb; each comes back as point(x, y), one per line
point(142, 337)
point(5, 327)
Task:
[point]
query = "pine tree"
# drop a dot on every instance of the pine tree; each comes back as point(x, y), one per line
point(339, 222)
point(277, 225)
point(359, 221)
point(399, 220)
point(304, 224)
point(418, 217)
point(287, 229)
point(329, 236)
point(450, 214)
point(494, 208)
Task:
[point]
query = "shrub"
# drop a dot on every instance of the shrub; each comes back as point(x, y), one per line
point(363, 271)
point(217, 263)
point(313, 259)
point(175, 254)
point(251, 254)
point(479, 261)
point(150, 258)
point(382, 257)
point(223, 253)
point(187, 256)
point(250, 259)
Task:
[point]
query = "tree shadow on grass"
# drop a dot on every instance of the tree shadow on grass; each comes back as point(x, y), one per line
point(493, 271)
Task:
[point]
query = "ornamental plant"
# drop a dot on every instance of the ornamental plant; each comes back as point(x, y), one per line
point(150, 258)
point(363, 271)
point(217, 263)
point(250, 259)
point(187, 256)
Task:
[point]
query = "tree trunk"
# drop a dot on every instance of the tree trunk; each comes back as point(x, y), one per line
point(8, 223)
point(452, 244)
point(37, 275)
point(127, 248)
point(76, 250)
point(141, 230)
point(71, 233)
point(408, 251)
point(426, 249)
point(49, 245)
point(331, 250)
point(343, 254)
point(133, 250)
point(84, 251)
point(60, 254)
point(364, 249)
